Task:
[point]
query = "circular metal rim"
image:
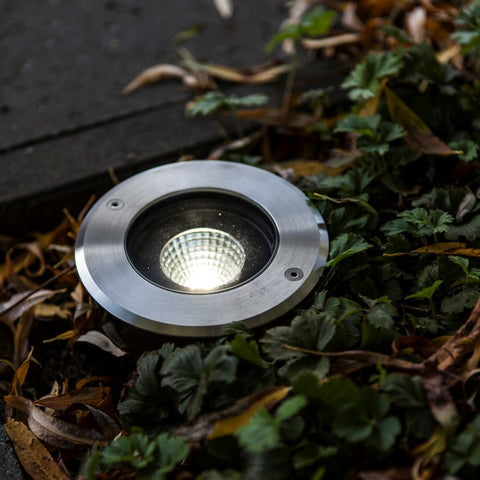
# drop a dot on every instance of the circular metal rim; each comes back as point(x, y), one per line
point(108, 275)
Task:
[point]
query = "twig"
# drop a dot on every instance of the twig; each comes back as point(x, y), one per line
point(365, 357)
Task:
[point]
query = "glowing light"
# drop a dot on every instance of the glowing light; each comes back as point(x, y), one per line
point(202, 259)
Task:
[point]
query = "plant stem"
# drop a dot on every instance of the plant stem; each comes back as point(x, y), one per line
point(289, 83)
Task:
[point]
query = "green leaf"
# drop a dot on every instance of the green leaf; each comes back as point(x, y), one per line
point(345, 246)
point(427, 292)
point(469, 33)
point(364, 80)
point(172, 450)
point(213, 101)
point(247, 350)
point(261, 433)
point(380, 312)
point(150, 457)
point(469, 149)
point(146, 403)
point(353, 424)
point(190, 375)
point(365, 420)
point(310, 331)
point(464, 448)
point(405, 391)
point(289, 32)
point(386, 433)
point(459, 301)
point(366, 126)
point(290, 407)
point(317, 22)
point(427, 223)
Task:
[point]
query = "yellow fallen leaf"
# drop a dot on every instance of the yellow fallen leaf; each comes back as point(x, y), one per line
point(442, 248)
point(229, 425)
point(34, 457)
point(62, 336)
point(21, 375)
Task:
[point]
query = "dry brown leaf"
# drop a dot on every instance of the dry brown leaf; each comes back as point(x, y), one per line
point(349, 17)
point(415, 24)
point(21, 375)
point(34, 457)
point(93, 396)
point(21, 302)
point(108, 426)
point(48, 310)
point(52, 430)
point(331, 42)
point(257, 75)
point(157, 73)
point(238, 144)
point(21, 337)
point(224, 8)
point(442, 248)
point(101, 341)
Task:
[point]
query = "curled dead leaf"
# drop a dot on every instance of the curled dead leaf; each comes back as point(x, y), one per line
point(52, 430)
point(34, 457)
point(157, 73)
point(21, 302)
point(331, 42)
point(101, 341)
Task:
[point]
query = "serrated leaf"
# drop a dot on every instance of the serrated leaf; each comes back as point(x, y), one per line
point(212, 101)
point(308, 331)
point(144, 402)
point(364, 80)
point(261, 433)
point(190, 375)
point(405, 391)
point(345, 246)
point(248, 350)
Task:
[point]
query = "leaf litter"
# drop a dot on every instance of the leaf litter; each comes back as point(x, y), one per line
point(376, 374)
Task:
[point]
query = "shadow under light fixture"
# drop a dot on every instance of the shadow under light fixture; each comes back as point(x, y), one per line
point(186, 248)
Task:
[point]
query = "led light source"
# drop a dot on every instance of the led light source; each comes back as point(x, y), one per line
point(186, 248)
point(202, 259)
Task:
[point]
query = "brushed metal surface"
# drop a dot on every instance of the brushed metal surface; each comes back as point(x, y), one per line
point(109, 277)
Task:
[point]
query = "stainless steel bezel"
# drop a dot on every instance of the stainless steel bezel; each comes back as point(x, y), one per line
point(108, 275)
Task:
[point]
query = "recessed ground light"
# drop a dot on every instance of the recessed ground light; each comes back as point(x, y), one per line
point(186, 248)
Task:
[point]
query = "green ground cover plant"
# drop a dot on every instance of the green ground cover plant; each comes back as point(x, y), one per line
point(375, 376)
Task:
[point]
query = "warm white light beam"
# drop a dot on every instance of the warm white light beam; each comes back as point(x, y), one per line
point(202, 259)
